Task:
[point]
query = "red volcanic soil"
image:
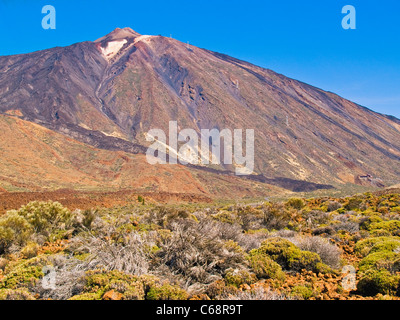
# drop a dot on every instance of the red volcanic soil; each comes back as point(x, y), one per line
point(88, 200)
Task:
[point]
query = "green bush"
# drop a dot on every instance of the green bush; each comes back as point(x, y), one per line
point(364, 247)
point(388, 245)
point(264, 267)
point(140, 199)
point(236, 277)
point(373, 282)
point(295, 203)
point(379, 253)
point(333, 206)
point(353, 204)
point(390, 226)
point(225, 217)
point(218, 289)
point(276, 216)
point(275, 247)
point(30, 250)
point(17, 226)
point(46, 216)
point(86, 296)
point(14, 229)
point(379, 260)
point(302, 292)
point(298, 260)
point(380, 233)
point(88, 218)
point(24, 273)
point(290, 257)
point(100, 281)
point(17, 294)
point(366, 222)
point(166, 292)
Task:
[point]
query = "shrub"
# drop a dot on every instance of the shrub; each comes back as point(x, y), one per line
point(30, 250)
point(348, 226)
point(14, 229)
point(40, 218)
point(83, 220)
point(265, 267)
point(323, 230)
point(276, 248)
point(46, 216)
point(140, 199)
point(363, 247)
point(333, 206)
point(276, 216)
point(197, 250)
point(365, 223)
point(290, 257)
point(166, 292)
point(69, 280)
point(302, 292)
point(298, 260)
point(101, 281)
point(163, 216)
point(388, 245)
point(24, 274)
point(237, 277)
point(295, 203)
point(225, 217)
point(380, 233)
point(380, 260)
point(328, 252)
point(86, 296)
point(250, 218)
point(353, 204)
point(131, 256)
point(219, 290)
point(391, 226)
point(315, 218)
point(17, 294)
point(3, 263)
point(373, 282)
point(96, 279)
point(252, 240)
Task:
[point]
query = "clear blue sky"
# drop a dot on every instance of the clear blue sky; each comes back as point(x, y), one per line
point(300, 39)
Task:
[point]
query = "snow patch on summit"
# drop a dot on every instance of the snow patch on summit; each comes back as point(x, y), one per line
point(113, 48)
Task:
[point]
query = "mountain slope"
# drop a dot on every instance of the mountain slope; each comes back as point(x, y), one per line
point(109, 93)
point(35, 158)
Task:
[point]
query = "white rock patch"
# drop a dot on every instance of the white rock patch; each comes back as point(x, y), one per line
point(113, 48)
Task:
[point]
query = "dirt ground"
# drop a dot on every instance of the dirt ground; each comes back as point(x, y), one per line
point(87, 200)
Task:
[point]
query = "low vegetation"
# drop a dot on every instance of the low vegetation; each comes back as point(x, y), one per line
point(293, 249)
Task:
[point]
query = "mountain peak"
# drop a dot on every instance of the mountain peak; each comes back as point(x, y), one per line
point(119, 34)
point(305, 138)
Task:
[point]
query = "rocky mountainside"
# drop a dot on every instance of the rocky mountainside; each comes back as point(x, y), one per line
point(109, 93)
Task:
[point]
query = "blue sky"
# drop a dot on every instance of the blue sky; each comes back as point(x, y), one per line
point(300, 39)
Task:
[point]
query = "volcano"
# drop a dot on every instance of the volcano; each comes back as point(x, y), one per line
point(77, 116)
